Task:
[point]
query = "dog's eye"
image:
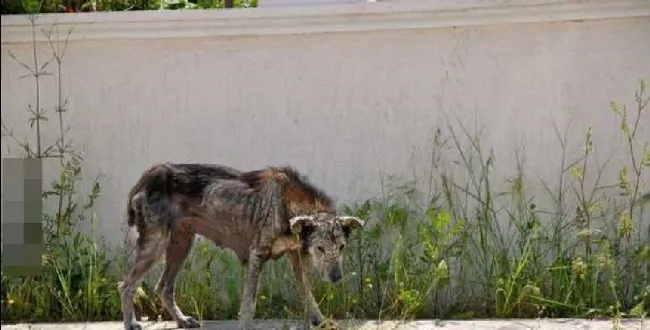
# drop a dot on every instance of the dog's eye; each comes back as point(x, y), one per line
point(320, 249)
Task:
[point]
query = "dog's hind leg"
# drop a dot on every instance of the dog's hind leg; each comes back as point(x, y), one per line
point(147, 253)
point(178, 248)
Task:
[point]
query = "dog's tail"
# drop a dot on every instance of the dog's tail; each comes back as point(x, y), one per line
point(153, 190)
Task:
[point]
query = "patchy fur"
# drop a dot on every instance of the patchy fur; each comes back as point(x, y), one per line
point(300, 195)
point(260, 215)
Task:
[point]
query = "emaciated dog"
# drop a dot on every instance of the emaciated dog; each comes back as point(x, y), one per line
point(261, 215)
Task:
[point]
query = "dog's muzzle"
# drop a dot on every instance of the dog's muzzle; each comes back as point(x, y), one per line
point(335, 275)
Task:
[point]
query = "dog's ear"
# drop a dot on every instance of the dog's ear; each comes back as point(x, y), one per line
point(350, 223)
point(300, 222)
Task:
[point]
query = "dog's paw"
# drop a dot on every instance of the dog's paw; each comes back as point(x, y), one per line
point(328, 324)
point(135, 326)
point(188, 323)
point(315, 321)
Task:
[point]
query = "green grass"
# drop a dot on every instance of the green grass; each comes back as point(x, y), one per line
point(465, 248)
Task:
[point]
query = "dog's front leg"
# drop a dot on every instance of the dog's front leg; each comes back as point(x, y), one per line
point(249, 296)
point(299, 265)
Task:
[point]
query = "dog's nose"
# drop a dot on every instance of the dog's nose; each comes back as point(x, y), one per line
point(336, 276)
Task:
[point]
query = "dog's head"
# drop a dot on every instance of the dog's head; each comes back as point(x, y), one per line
point(323, 237)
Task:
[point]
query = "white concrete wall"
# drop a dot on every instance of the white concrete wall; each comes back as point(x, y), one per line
point(345, 93)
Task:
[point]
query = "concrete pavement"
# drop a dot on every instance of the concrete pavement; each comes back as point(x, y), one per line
point(513, 324)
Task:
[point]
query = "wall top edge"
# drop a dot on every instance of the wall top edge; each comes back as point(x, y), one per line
point(388, 15)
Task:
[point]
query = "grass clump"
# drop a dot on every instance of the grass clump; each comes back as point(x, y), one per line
point(75, 282)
